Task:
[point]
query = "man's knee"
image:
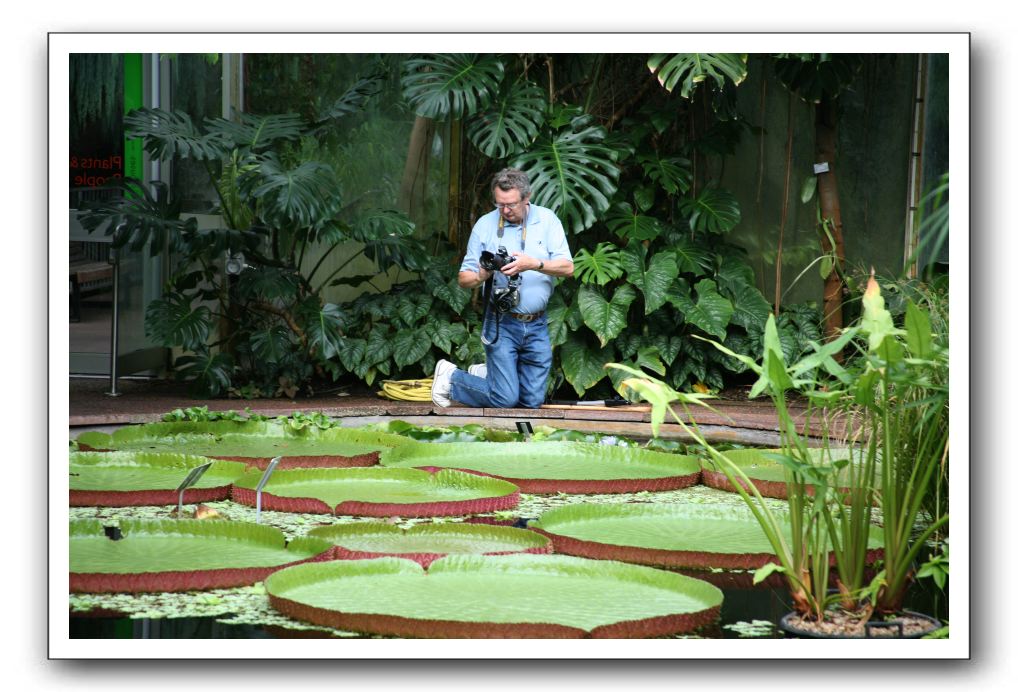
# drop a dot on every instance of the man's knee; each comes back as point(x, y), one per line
point(504, 399)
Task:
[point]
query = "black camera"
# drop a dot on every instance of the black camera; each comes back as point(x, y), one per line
point(502, 299)
point(495, 261)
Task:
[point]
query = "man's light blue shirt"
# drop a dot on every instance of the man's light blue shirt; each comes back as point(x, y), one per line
point(545, 240)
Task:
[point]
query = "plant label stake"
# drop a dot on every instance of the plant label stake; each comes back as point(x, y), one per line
point(525, 428)
point(261, 484)
point(191, 479)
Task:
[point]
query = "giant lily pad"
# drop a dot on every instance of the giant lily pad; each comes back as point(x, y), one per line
point(252, 442)
point(495, 596)
point(122, 479)
point(180, 555)
point(549, 467)
point(768, 475)
point(674, 536)
point(425, 543)
point(378, 492)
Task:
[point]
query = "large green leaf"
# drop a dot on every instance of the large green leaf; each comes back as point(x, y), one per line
point(630, 225)
point(598, 267)
point(170, 321)
point(512, 121)
point(654, 280)
point(208, 374)
point(138, 471)
point(667, 345)
point(183, 545)
point(324, 325)
point(520, 462)
point(303, 196)
point(141, 214)
point(410, 345)
point(400, 486)
point(351, 354)
point(689, 69)
point(711, 312)
point(815, 75)
point(272, 345)
point(690, 257)
point(452, 294)
point(451, 85)
point(173, 135)
point(269, 283)
point(584, 367)
point(573, 173)
point(751, 308)
point(563, 318)
point(521, 595)
point(411, 308)
point(388, 237)
point(257, 132)
point(379, 345)
point(605, 318)
point(352, 101)
point(713, 211)
point(478, 539)
point(673, 173)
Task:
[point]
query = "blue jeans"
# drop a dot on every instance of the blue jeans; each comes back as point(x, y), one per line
point(518, 367)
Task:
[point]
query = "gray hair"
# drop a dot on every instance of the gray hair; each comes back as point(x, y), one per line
point(511, 179)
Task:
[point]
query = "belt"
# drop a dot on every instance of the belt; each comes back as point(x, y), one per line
point(525, 317)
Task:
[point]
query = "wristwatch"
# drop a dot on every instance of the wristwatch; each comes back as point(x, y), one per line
point(540, 266)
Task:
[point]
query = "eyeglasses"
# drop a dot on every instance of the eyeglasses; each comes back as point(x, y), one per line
point(511, 207)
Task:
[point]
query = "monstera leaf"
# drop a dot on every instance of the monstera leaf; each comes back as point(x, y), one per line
point(451, 85)
point(303, 196)
point(209, 375)
point(690, 257)
point(170, 321)
point(628, 224)
point(598, 267)
point(173, 135)
point(714, 210)
point(271, 345)
point(268, 282)
point(388, 238)
point(323, 327)
point(606, 318)
point(257, 132)
point(573, 173)
point(711, 312)
point(353, 99)
point(673, 173)
point(654, 280)
point(689, 69)
point(142, 213)
point(815, 75)
point(510, 123)
point(584, 367)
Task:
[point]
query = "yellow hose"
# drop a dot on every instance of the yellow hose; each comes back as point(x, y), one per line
point(406, 390)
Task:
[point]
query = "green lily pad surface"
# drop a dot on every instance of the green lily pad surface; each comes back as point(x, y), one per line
point(172, 555)
point(378, 492)
point(545, 467)
point(692, 536)
point(426, 542)
point(140, 478)
point(494, 596)
point(768, 474)
point(243, 439)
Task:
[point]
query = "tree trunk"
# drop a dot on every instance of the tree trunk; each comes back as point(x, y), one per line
point(830, 214)
point(415, 172)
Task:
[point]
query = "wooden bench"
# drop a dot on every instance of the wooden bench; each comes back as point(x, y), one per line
point(87, 276)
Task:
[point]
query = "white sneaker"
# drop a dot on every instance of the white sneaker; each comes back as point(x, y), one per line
point(480, 370)
point(441, 384)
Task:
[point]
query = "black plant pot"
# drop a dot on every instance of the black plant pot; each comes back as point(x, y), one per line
point(874, 629)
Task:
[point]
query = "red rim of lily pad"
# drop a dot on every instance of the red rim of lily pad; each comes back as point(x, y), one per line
point(308, 505)
point(323, 461)
point(775, 489)
point(396, 626)
point(138, 498)
point(549, 486)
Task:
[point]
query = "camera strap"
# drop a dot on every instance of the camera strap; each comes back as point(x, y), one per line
point(486, 295)
point(523, 236)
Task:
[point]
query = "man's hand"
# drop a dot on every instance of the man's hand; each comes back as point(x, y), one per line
point(522, 263)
